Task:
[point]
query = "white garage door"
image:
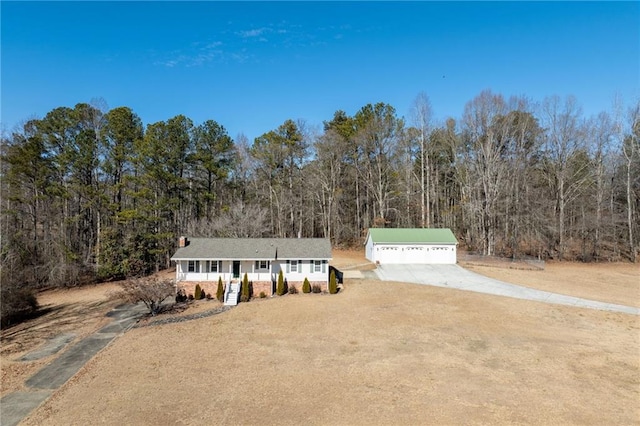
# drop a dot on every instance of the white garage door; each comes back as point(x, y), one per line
point(441, 254)
point(389, 254)
point(414, 254)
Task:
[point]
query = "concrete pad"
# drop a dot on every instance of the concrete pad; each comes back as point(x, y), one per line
point(124, 321)
point(127, 311)
point(118, 326)
point(454, 276)
point(51, 347)
point(353, 275)
point(17, 405)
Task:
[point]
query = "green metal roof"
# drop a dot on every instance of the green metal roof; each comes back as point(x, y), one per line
point(412, 235)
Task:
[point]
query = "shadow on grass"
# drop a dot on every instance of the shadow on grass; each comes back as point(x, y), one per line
point(29, 316)
point(50, 321)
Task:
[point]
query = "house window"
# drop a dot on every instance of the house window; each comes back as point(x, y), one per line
point(193, 266)
point(215, 266)
point(317, 266)
point(294, 266)
point(262, 265)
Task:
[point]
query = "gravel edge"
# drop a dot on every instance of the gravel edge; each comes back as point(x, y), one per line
point(174, 320)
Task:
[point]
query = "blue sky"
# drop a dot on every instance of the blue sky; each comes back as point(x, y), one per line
point(250, 66)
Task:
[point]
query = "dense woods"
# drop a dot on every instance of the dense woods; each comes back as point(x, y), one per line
point(94, 194)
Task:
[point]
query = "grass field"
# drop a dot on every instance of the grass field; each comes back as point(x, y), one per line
point(377, 353)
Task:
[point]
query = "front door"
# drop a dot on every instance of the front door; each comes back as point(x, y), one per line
point(236, 269)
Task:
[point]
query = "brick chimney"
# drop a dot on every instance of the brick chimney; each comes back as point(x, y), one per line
point(182, 242)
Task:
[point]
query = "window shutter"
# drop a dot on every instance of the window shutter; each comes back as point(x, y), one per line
point(206, 266)
point(288, 266)
point(311, 265)
point(324, 266)
point(257, 266)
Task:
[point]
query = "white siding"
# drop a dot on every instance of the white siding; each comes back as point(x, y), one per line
point(305, 269)
point(369, 252)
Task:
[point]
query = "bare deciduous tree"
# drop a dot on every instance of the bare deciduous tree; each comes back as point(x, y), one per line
point(564, 141)
point(422, 113)
point(239, 221)
point(631, 154)
point(151, 291)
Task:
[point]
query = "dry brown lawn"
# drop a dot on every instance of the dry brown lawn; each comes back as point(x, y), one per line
point(377, 353)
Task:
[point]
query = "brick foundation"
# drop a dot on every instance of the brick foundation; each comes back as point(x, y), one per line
point(189, 287)
point(262, 286)
point(211, 287)
point(298, 285)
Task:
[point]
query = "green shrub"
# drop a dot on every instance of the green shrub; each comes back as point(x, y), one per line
point(197, 293)
point(244, 291)
point(280, 286)
point(220, 291)
point(333, 285)
point(16, 304)
point(262, 295)
point(306, 287)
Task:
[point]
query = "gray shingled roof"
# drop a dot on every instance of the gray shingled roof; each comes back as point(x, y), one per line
point(254, 249)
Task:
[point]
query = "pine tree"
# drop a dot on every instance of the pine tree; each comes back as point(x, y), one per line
point(197, 293)
point(306, 286)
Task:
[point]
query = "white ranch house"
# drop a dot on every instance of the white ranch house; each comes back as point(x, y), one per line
point(411, 245)
point(204, 260)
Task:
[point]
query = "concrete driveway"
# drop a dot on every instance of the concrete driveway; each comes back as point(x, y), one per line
point(454, 276)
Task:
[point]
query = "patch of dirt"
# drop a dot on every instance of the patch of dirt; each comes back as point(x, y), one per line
point(468, 259)
point(175, 310)
point(376, 353)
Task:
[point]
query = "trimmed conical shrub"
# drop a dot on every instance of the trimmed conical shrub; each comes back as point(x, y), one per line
point(280, 286)
point(197, 293)
point(244, 292)
point(220, 291)
point(333, 285)
point(306, 286)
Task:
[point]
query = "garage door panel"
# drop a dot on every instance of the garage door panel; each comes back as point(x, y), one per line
point(389, 254)
point(441, 254)
point(415, 254)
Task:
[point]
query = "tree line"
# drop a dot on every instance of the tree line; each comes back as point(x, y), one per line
point(94, 194)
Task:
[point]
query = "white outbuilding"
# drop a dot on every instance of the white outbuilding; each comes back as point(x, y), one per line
point(411, 245)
